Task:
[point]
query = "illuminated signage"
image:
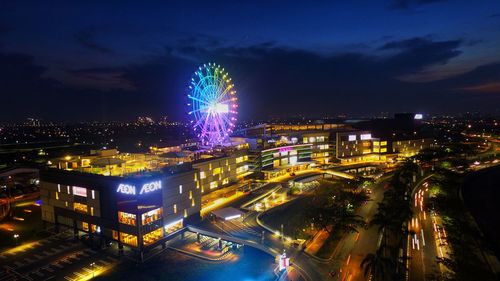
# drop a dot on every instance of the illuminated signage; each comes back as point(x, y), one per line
point(352, 137)
point(146, 188)
point(80, 191)
point(150, 187)
point(126, 189)
point(285, 149)
point(283, 262)
point(365, 136)
point(418, 116)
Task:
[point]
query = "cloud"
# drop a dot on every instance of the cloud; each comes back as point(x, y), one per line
point(408, 4)
point(103, 78)
point(267, 78)
point(416, 54)
point(86, 38)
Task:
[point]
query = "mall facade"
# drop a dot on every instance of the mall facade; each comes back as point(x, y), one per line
point(141, 211)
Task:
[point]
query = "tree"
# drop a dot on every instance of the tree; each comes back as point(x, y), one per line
point(376, 265)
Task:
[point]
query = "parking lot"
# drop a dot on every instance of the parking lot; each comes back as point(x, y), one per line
point(58, 257)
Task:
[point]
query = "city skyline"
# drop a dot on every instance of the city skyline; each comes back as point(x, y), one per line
point(112, 62)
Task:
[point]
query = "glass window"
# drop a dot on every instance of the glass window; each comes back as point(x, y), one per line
point(180, 189)
point(153, 236)
point(127, 218)
point(79, 207)
point(202, 175)
point(80, 191)
point(128, 239)
point(213, 184)
point(173, 226)
point(151, 216)
point(217, 171)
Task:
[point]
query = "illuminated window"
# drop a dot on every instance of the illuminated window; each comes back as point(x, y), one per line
point(197, 185)
point(153, 236)
point(180, 189)
point(216, 171)
point(213, 184)
point(192, 202)
point(383, 143)
point(66, 203)
point(85, 226)
point(128, 239)
point(58, 188)
point(93, 194)
point(210, 166)
point(190, 194)
point(151, 216)
point(67, 188)
point(127, 218)
point(202, 175)
point(80, 191)
point(225, 181)
point(376, 143)
point(304, 140)
point(185, 213)
point(175, 208)
point(79, 207)
point(57, 195)
point(91, 211)
point(240, 159)
point(243, 169)
point(195, 177)
point(383, 149)
point(173, 226)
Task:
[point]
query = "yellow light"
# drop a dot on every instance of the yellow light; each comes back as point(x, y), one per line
point(67, 158)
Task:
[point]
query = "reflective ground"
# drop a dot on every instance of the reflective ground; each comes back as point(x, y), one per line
point(249, 265)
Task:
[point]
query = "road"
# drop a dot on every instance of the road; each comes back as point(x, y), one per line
point(427, 241)
point(354, 247)
point(347, 258)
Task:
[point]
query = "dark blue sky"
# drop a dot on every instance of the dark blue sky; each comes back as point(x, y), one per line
point(107, 60)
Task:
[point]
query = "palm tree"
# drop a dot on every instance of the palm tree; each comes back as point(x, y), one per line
point(376, 265)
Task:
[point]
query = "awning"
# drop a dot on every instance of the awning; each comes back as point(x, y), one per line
point(228, 213)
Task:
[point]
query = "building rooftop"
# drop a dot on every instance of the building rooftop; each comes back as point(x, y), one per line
point(111, 163)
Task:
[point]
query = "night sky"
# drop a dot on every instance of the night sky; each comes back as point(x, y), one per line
point(99, 60)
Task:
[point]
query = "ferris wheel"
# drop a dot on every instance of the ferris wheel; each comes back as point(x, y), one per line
point(212, 104)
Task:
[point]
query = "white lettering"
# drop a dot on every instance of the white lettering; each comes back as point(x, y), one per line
point(126, 189)
point(150, 187)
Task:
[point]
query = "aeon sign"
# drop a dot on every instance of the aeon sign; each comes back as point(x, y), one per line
point(126, 189)
point(150, 187)
point(146, 188)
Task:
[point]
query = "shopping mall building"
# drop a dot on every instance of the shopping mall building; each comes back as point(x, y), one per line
point(138, 209)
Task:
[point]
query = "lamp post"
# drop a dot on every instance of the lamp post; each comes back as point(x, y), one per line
point(92, 265)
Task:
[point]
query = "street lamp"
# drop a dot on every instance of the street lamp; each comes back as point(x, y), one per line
point(92, 265)
point(16, 236)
